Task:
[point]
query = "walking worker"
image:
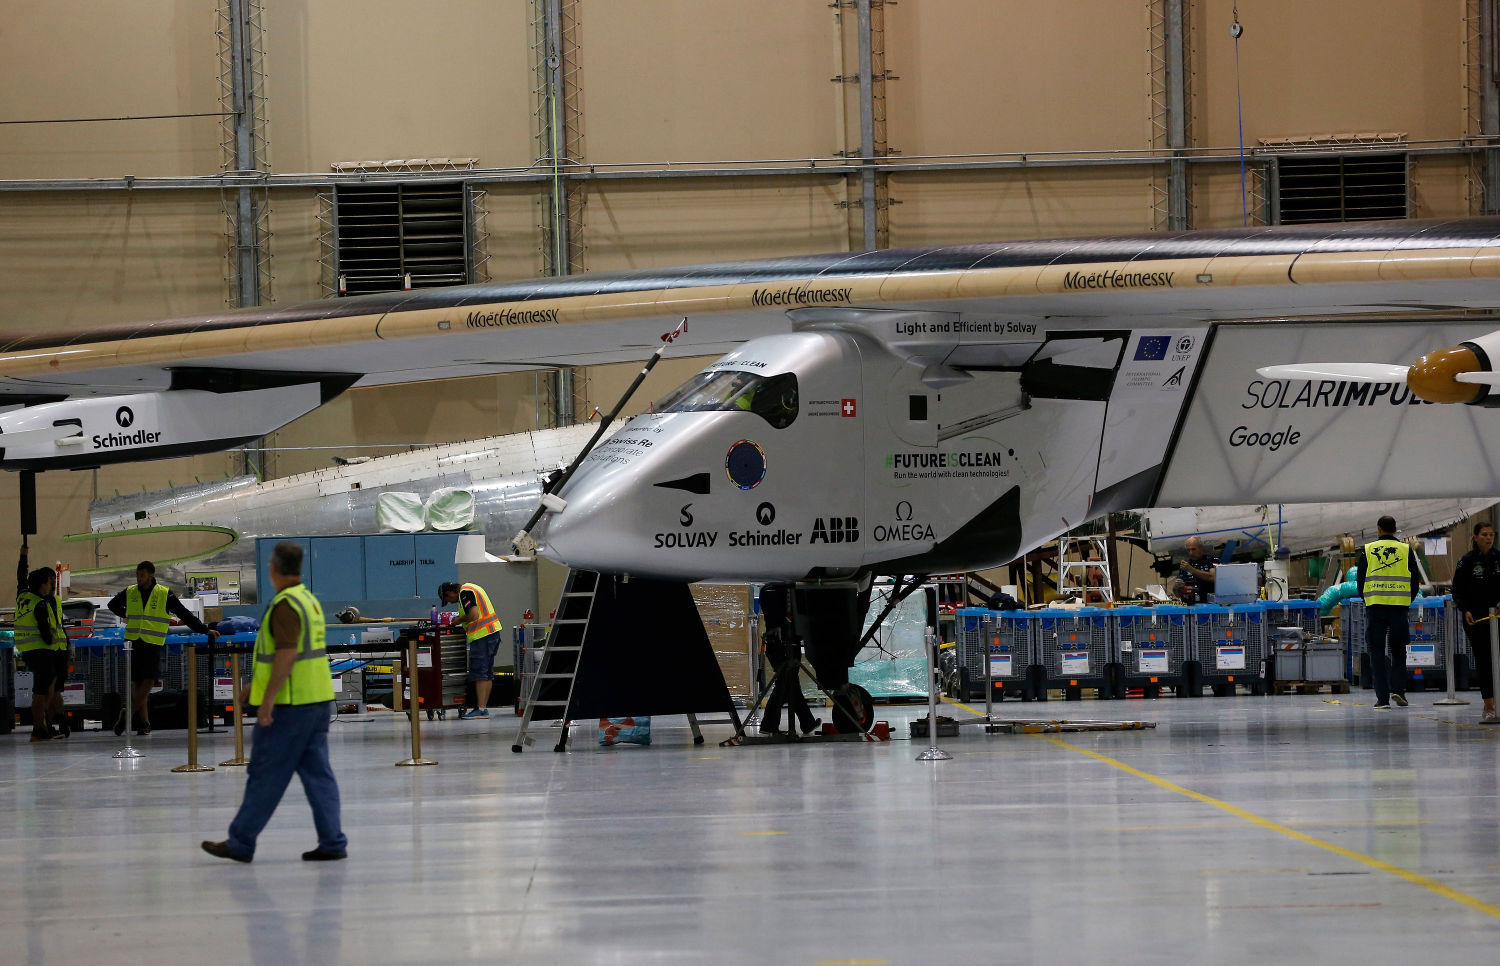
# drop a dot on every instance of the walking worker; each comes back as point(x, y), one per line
point(1476, 594)
point(146, 605)
point(1386, 583)
point(293, 690)
point(482, 627)
point(43, 646)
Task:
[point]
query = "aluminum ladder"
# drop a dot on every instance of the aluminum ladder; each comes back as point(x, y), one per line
point(551, 687)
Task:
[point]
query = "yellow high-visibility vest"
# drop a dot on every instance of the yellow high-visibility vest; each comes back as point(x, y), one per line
point(488, 622)
point(147, 621)
point(1387, 573)
point(28, 632)
point(310, 681)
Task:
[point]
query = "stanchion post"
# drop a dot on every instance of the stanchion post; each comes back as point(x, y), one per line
point(398, 681)
point(128, 751)
point(239, 715)
point(192, 722)
point(415, 712)
point(933, 752)
point(1449, 643)
point(1495, 654)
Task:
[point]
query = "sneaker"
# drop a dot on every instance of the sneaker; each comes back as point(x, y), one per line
point(1383, 706)
point(817, 723)
point(143, 729)
point(64, 728)
point(1489, 717)
point(468, 715)
point(1400, 700)
point(221, 850)
point(40, 734)
point(120, 724)
point(318, 855)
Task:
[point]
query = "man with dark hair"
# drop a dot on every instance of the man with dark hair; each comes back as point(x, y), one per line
point(145, 606)
point(293, 690)
point(1388, 587)
point(482, 627)
point(43, 646)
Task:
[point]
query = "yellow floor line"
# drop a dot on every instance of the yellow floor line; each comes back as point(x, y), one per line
point(1415, 878)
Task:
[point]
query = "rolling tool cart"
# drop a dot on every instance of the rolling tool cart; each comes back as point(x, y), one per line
point(442, 666)
point(1152, 644)
point(1076, 649)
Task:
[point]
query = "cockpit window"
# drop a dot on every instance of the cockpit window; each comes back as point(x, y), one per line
point(773, 398)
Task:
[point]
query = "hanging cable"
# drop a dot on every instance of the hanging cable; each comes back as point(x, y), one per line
point(1237, 31)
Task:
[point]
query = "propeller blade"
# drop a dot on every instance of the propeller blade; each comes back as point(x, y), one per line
point(1343, 371)
point(47, 434)
point(1479, 378)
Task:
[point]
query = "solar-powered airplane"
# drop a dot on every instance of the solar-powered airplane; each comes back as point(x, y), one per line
point(891, 412)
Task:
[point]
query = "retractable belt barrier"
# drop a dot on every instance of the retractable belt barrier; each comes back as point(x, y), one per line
point(235, 645)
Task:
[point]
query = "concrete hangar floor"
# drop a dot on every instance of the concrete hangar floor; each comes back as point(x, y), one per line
point(1241, 830)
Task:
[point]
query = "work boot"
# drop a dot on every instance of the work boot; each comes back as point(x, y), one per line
point(120, 723)
point(144, 728)
point(63, 727)
point(40, 734)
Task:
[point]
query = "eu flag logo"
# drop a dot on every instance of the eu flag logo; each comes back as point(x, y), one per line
point(1152, 348)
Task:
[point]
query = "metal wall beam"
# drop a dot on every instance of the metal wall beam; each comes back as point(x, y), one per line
point(1179, 204)
point(554, 124)
point(866, 127)
point(246, 215)
point(1489, 101)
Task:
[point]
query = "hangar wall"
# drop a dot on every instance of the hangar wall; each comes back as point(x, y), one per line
point(1041, 114)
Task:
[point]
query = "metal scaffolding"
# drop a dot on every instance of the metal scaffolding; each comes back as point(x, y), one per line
point(246, 150)
point(1171, 112)
point(559, 136)
point(1482, 104)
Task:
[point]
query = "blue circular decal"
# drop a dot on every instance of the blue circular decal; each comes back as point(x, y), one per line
point(745, 465)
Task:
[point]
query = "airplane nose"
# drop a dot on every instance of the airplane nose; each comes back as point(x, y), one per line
point(586, 534)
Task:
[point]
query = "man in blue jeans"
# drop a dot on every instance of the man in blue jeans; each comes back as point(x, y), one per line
point(1388, 587)
point(293, 690)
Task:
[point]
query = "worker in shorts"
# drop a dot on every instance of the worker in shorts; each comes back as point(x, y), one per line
point(42, 645)
point(148, 609)
point(482, 627)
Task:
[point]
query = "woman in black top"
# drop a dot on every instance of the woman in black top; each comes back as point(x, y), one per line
point(1476, 592)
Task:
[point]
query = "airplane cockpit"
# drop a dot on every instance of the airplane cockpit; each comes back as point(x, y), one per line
point(773, 398)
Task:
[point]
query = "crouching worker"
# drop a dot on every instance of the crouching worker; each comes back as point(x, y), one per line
point(148, 609)
point(293, 691)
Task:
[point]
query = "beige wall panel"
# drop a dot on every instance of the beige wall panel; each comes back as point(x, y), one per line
point(949, 208)
point(1339, 66)
point(372, 80)
point(1216, 197)
point(512, 218)
point(691, 221)
point(1440, 186)
point(295, 230)
point(91, 58)
point(71, 261)
point(993, 76)
point(682, 80)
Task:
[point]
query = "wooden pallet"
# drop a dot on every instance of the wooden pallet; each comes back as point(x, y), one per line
point(1312, 687)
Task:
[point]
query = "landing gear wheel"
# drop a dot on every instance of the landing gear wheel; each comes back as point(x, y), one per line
point(853, 710)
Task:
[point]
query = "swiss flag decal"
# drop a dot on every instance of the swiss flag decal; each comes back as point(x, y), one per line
point(848, 407)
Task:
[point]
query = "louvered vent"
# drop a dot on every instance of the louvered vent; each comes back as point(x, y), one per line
point(1358, 187)
point(387, 234)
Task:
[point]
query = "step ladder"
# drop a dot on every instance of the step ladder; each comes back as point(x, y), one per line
point(552, 685)
point(1073, 568)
